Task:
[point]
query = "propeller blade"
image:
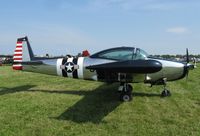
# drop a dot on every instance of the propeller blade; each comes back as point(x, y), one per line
point(187, 55)
point(187, 61)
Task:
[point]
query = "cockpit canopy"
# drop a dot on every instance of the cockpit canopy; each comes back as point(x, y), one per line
point(122, 53)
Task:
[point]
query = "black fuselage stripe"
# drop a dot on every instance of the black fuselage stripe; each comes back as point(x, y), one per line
point(75, 73)
point(64, 73)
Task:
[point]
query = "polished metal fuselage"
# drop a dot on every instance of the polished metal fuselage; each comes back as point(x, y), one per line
point(170, 70)
point(59, 67)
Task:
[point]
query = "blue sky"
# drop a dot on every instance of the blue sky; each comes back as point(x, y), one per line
point(70, 26)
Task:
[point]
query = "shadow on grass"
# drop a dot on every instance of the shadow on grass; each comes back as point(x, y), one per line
point(141, 94)
point(93, 107)
point(22, 88)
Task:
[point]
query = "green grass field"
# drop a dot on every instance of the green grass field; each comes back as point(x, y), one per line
point(42, 105)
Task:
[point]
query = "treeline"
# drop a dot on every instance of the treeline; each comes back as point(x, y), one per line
point(175, 56)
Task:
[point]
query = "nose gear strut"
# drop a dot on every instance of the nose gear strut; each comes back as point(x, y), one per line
point(165, 92)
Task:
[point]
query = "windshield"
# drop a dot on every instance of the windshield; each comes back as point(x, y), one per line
point(140, 54)
point(118, 54)
point(122, 53)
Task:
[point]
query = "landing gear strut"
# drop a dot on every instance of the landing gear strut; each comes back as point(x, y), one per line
point(165, 92)
point(125, 92)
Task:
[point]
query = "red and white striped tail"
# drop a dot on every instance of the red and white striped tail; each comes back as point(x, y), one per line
point(17, 59)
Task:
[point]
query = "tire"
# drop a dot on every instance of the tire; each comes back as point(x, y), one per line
point(126, 97)
point(165, 93)
point(168, 93)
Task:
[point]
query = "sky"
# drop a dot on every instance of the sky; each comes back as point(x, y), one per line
point(61, 27)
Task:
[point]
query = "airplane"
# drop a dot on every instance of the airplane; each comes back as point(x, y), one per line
point(5, 59)
point(1, 61)
point(121, 64)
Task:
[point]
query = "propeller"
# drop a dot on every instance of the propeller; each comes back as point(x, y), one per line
point(187, 56)
point(188, 65)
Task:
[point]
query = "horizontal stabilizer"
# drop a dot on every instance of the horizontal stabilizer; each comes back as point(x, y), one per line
point(130, 66)
point(30, 63)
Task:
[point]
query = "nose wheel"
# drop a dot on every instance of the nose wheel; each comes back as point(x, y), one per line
point(125, 92)
point(165, 92)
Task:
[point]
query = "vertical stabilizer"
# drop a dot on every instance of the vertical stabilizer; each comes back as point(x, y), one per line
point(23, 53)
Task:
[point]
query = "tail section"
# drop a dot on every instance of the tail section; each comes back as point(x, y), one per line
point(23, 53)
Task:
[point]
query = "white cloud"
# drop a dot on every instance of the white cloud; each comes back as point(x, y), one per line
point(177, 30)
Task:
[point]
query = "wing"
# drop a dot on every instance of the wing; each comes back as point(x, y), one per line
point(130, 66)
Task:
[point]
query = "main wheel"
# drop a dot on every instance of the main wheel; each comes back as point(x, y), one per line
point(126, 96)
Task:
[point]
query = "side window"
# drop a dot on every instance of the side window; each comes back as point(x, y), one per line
point(118, 55)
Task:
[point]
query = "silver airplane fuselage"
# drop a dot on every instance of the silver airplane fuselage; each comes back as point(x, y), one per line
point(59, 67)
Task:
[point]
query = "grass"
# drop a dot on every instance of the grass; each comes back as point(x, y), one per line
point(42, 105)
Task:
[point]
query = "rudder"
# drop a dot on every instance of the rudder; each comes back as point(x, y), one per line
point(23, 52)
